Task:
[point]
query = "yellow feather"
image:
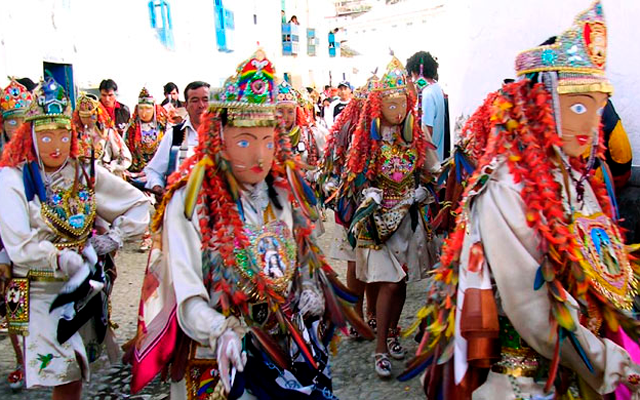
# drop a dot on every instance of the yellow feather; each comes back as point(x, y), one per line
point(193, 186)
point(451, 324)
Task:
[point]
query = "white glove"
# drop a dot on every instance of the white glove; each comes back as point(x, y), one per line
point(311, 302)
point(373, 193)
point(90, 254)
point(69, 262)
point(229, 353)
point(420, 194)
point(312, 175)
point(329, 187)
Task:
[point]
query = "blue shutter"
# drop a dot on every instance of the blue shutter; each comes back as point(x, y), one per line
point(160, 11)
point(225, 25)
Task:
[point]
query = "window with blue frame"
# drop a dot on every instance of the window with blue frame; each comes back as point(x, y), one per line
point(160, 17)
point(290, 39)
point(225, 26)
point(312, 42)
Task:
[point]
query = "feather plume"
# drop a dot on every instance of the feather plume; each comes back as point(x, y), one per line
point(407, 129)
point(193, 186)
point(539, 280)
point(415, 366)
point(270, 347)
point(297, 338)
point(580, 350)
point(375, 129)
point(555, 362)
point(563, 316)
point(341, 290)
point(356, 321)
point(331, 302)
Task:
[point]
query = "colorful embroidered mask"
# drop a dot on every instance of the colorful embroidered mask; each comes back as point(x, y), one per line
point(145, 97)
point(249, 96)
point(51, 108)
point(15, 100)
point(578, 55)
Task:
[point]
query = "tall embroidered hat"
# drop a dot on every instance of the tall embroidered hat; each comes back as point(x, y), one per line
point(145, 97)
point(286, 94)
point(394, 79)
point(15, 100)
point(51, 108)
point(579, 55)
point(249, 96)
point(87, 105)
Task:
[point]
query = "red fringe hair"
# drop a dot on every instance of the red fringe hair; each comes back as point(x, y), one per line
point(349, 115)
point(20, 148)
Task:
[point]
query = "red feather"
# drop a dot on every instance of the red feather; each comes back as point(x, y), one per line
point(331, 301)
point(270, 347)
point(297, 337)
point(553, 368)
point(356, 321)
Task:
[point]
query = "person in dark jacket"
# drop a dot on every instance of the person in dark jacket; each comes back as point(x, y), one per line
point(172, 95)
point(118, 112)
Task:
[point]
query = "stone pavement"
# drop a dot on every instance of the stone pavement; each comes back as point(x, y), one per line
point(353, 374)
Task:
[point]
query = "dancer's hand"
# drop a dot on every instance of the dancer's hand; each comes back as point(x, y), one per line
point(420, 195)
point(311, 302)
point(70, 262)
point(103, 244)
point(373, 193)
point(329, 187)
point(312, 175)
point(229, 353)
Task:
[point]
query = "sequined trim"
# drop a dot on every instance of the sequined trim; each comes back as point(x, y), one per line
point(517, 359)
point(604, 259)
point(202, 378)
point(17, 304)
point(70, 217)
point(272, 251)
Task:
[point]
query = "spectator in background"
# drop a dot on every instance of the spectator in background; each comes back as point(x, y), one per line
point(424, 65)
point(324, 111)
point(327, 91)
point(283, 16)
point(178, 142)
point(171, 95)
point(344, 97)
point(118, 112)
point(294, 20)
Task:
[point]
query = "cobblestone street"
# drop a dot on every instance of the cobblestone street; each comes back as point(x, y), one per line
point(353, 374)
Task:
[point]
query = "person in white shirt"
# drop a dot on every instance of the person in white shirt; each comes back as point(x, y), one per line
point(197, 99)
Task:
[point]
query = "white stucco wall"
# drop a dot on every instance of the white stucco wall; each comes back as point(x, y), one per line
point(113, 39)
